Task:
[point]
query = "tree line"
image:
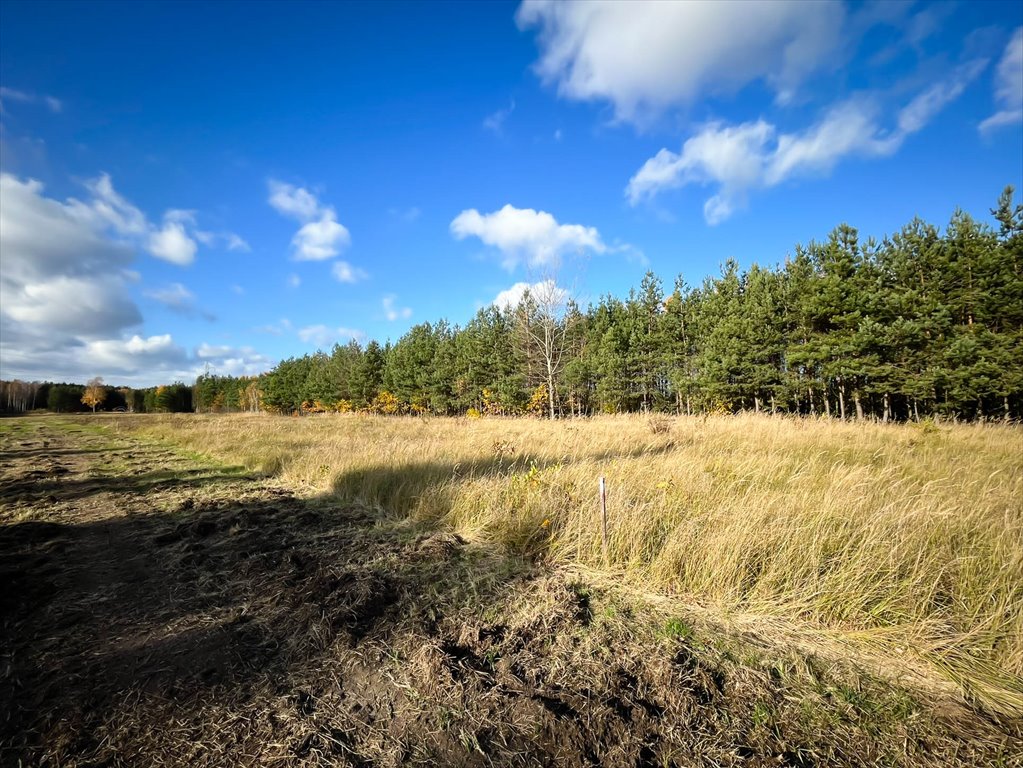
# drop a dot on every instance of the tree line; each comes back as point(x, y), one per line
point(17, 396)
point(924, 322)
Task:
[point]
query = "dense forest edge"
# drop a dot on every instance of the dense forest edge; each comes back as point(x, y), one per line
point(923, 323)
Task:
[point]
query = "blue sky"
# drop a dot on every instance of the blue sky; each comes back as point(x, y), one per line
point(230, 184)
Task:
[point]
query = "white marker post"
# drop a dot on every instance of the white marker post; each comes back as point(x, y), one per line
point(603, 520)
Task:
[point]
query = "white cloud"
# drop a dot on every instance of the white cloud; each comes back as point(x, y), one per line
point(65, 310)
point(546, 291)
point(238, 290)
point(129, 356)
point(923, 108)
point(321, 236)
point(1008, 86)
point(60, 276)
point(688, 48)
point(345, 273)
point(294, 202)
point(321, 239)
point(77, 306)
point(322, 336)
point(135, 360)
point(495, 122)
point(171, 243)
point(392, 312)
point(109, 208)
point(294, 281)
point(174, 241)
point(740, 158)
point(524, 235)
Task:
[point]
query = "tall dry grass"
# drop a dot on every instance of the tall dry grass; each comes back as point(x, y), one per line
point(909, 535)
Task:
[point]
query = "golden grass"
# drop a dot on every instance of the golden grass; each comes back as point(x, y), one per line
point(909, 537)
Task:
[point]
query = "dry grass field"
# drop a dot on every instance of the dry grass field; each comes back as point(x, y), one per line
point(833, 593)
point(909, 536)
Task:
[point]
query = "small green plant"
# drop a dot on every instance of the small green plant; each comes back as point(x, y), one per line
point(762, 715)
point(676, 629)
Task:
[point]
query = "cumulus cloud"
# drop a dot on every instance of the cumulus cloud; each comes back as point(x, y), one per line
point(321, 239)
point(524, 235)
point(322, 336)
point(65, 310)
point(294, 202)
point(1008, 86)
point(546, 291)
point(393, 312)
point(120, 356)
point(740, 158)
point(79, 306)
point(688, 48)
point(60, 275)
point(171, 243)
point(345, 273)
point(321, 236)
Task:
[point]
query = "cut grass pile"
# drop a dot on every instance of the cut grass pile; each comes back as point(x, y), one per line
point(908, 538)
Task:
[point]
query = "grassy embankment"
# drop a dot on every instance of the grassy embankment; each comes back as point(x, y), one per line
point(906, 539)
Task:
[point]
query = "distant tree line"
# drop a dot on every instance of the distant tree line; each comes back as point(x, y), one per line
point(19, 396)
point(921, 323)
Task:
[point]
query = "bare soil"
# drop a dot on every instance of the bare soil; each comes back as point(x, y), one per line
point(160, 609)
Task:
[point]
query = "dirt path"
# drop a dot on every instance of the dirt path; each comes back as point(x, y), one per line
point(157, 609)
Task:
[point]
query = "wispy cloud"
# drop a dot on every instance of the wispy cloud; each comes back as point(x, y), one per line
point(177, 298)
point(322, 336)
point(11, 94)
point(344, 272)
point(174, 240)
point(393, 312)
point(1008, 86)
point(495, 121)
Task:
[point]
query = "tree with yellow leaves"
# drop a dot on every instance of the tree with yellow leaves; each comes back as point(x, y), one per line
point(95, 393)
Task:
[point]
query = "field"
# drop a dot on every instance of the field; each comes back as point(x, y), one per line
point(356, 590)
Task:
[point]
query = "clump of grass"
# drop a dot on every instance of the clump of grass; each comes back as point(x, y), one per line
point(910, 537)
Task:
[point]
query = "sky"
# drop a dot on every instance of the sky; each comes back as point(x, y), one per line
point(189, 187)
